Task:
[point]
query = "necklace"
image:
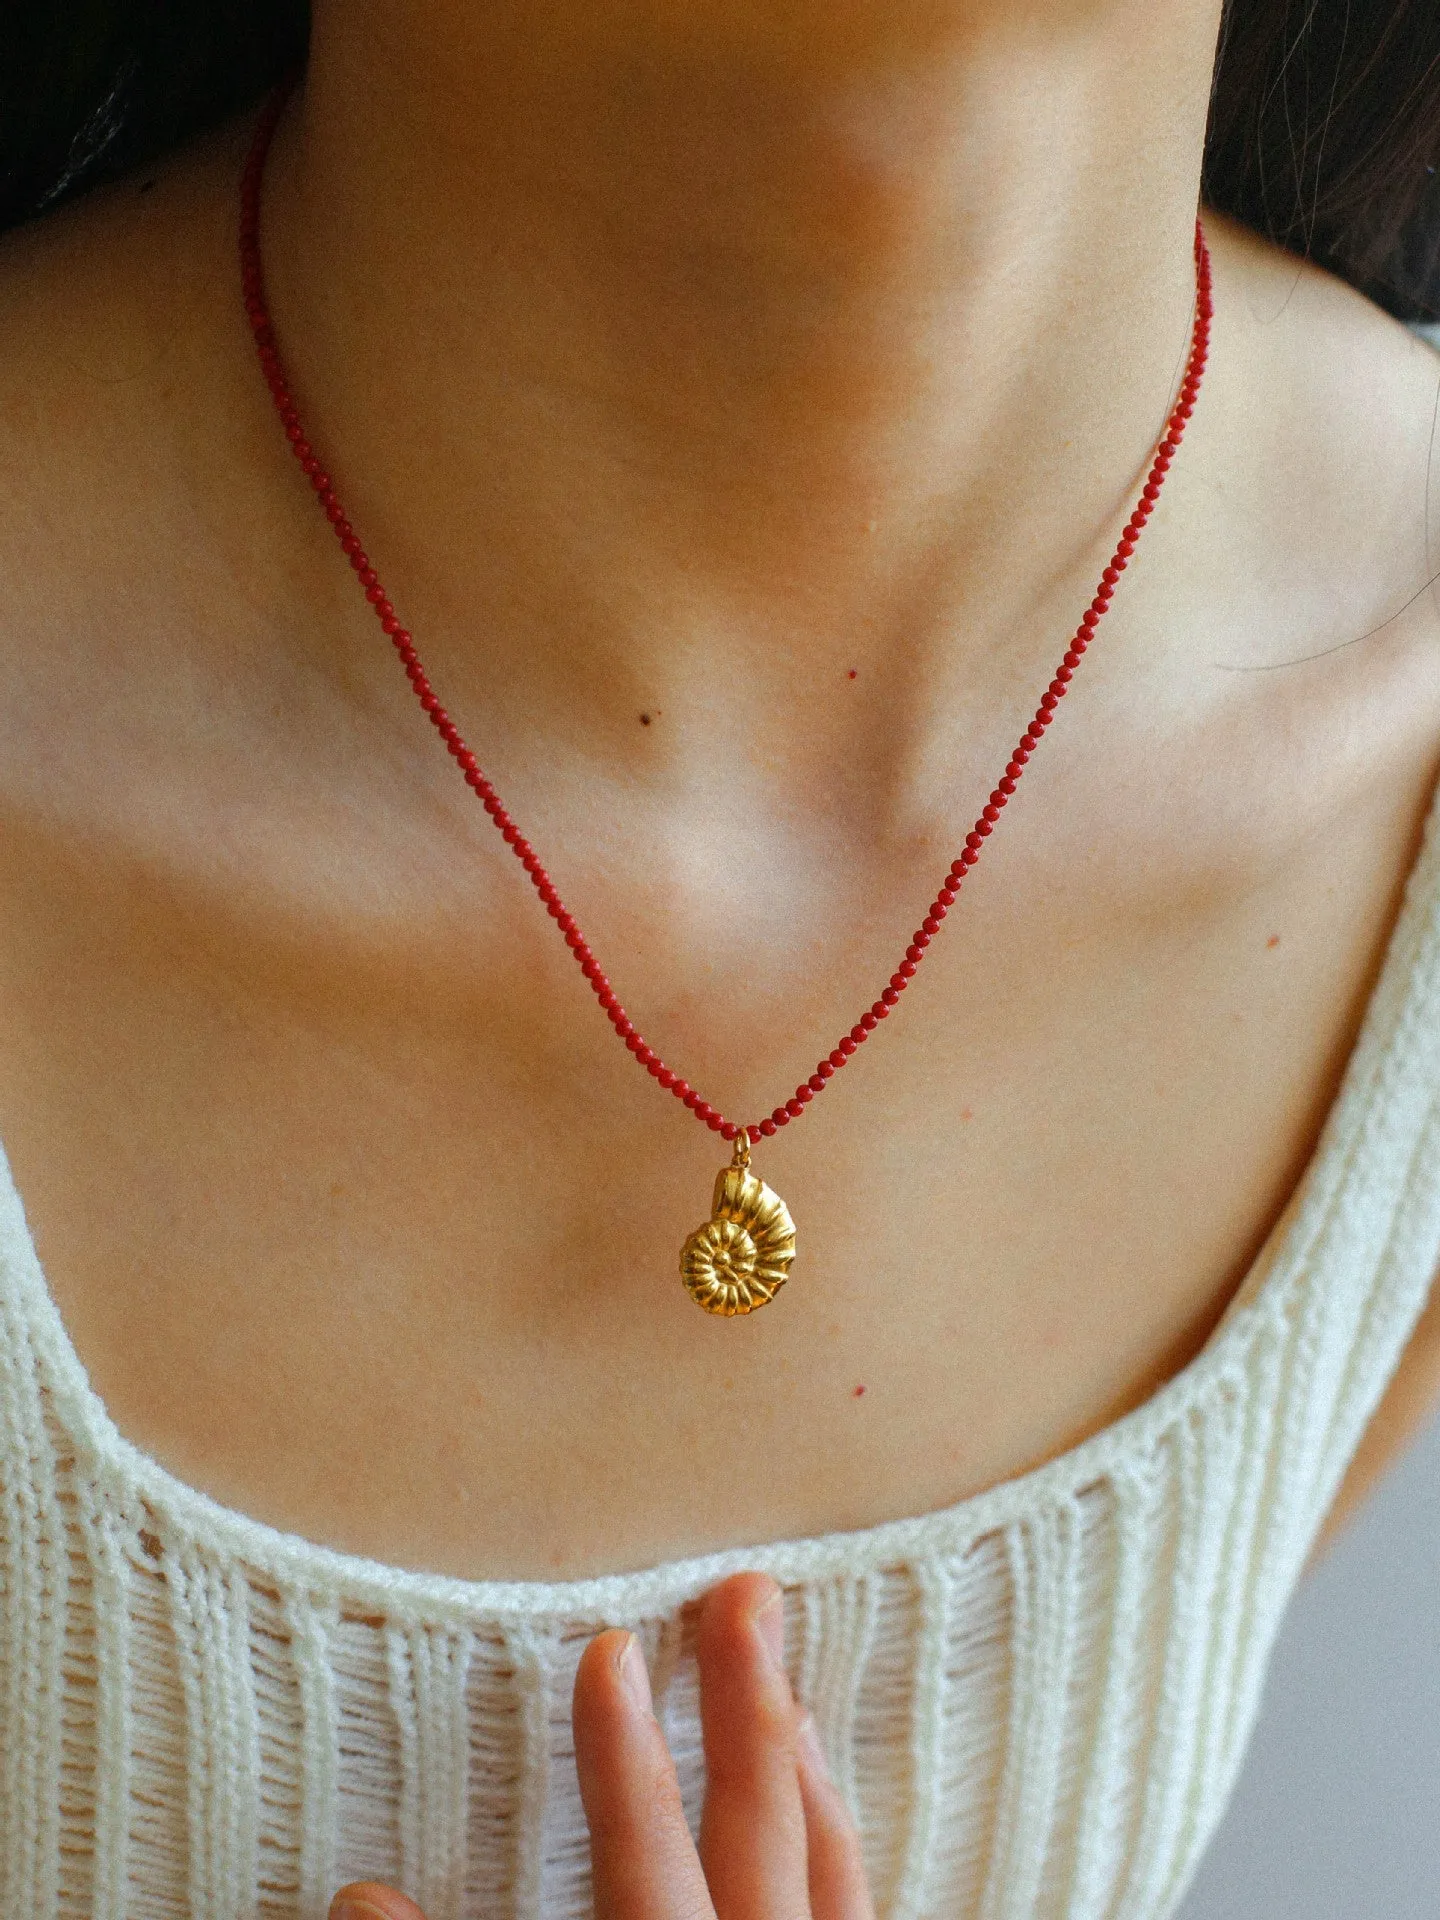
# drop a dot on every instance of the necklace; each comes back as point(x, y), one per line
point(740, 1257)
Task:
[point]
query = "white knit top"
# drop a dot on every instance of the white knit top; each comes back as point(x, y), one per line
point(1035, 1701)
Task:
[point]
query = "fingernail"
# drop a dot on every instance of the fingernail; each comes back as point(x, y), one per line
point(770, 1621)
point(347, 1909)
point(811, 1752)
point(631, 1665)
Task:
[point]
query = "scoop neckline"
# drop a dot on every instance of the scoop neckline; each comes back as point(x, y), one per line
point(291, 1560)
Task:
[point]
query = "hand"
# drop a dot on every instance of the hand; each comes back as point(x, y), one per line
point(776, 1842)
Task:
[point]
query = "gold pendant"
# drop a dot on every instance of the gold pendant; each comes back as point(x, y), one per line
point(740, 1258)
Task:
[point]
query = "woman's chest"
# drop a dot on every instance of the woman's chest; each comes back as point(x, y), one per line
point(370, 1228)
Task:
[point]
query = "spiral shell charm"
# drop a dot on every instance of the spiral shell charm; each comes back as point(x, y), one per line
point(740, 1258)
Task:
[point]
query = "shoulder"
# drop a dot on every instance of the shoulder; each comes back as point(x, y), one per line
point(1316, 547)
point(1328, 416)
point(1301, 323)
point(129, 416)
point(108, 313)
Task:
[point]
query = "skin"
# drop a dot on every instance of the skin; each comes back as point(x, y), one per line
point(783, 373)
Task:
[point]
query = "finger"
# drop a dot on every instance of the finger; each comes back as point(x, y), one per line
point(368, 1900)
point(752, 1833)
point(836, 1876)
point(643, 1860)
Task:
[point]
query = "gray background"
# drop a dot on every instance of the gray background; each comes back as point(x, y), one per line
point(1337, 1815)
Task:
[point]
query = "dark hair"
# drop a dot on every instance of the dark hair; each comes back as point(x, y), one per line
point(1325, 135)
point(1324, 128)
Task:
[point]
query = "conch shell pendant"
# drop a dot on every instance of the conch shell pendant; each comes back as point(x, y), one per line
point(740, 1258)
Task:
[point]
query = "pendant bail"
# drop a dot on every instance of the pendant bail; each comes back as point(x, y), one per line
point(741, 1155)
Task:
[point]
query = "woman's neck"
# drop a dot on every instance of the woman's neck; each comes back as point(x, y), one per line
point(790, 336)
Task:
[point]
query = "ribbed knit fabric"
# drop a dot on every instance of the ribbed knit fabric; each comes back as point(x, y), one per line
point(1036, 1701)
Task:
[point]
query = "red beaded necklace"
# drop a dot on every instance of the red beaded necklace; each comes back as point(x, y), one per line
point(741, 1256)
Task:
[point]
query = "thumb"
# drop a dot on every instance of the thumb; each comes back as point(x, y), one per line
point(369, 1900)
